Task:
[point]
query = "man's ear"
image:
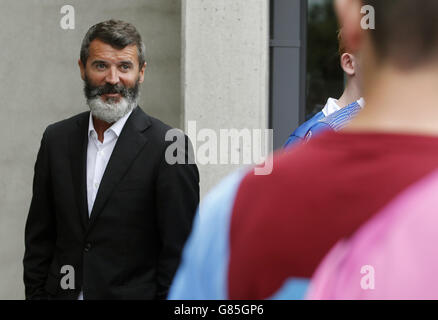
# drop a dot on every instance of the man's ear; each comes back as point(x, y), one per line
point(349, 17)
point(82, 69)
point(348, 64)
point(142, 70)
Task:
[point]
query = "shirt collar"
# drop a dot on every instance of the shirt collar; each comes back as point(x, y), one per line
point(361, 102)
point(117, 127)
point(331, 107)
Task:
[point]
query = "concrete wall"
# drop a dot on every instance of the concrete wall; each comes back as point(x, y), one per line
point(225, 69)
point(41, 84)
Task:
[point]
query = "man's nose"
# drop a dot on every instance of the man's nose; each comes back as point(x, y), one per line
point(112, 76)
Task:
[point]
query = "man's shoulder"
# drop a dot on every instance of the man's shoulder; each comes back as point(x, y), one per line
point(303, 170)
point(66, 125)
point(161, 132)
point(301, 132)
point(342, 117)
point(159, 126)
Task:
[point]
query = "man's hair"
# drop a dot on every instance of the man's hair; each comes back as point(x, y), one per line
point(406, 31)
point(116, 33)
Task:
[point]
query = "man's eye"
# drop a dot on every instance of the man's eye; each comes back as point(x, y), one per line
point(126, 67)
point(100, 66)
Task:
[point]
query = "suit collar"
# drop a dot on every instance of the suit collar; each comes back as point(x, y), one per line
point(140, 120)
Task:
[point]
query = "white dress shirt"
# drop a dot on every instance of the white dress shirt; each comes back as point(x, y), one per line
point(98, 156)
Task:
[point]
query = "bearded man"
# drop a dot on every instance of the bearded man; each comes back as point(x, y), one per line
point(109, 214)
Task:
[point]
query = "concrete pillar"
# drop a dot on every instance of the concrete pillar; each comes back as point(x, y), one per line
point(225, 69)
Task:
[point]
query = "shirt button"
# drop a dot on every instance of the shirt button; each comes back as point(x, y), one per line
point(96, 185)
point(87, 247)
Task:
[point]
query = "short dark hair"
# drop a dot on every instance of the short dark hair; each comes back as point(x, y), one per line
point(118, 34)
point(406, 31)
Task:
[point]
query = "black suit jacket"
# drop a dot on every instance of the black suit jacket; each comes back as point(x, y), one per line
point(130, 246)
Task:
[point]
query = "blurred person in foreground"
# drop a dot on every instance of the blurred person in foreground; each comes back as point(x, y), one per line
point(391, 257)
point(262, 237)
point(337, 112)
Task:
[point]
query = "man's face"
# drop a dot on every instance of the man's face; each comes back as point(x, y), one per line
point(111, 78)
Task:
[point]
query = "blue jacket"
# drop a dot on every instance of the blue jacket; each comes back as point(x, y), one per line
point(319, 123)
point(300, 133)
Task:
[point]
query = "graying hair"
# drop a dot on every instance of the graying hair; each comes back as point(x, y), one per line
point(116, 33)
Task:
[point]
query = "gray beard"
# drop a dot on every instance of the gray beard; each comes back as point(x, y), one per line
point(110, 111)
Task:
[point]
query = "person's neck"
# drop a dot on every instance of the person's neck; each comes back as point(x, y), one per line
point(350, 94)
point(100, 126)
point(400, 102)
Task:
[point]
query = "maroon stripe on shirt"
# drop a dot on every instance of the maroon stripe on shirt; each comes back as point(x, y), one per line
point(284, 224)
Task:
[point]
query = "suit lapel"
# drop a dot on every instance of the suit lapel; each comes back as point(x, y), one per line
point(78, 160)
point(131, 141)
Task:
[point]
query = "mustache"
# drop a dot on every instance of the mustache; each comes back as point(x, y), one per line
point(95, 91)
